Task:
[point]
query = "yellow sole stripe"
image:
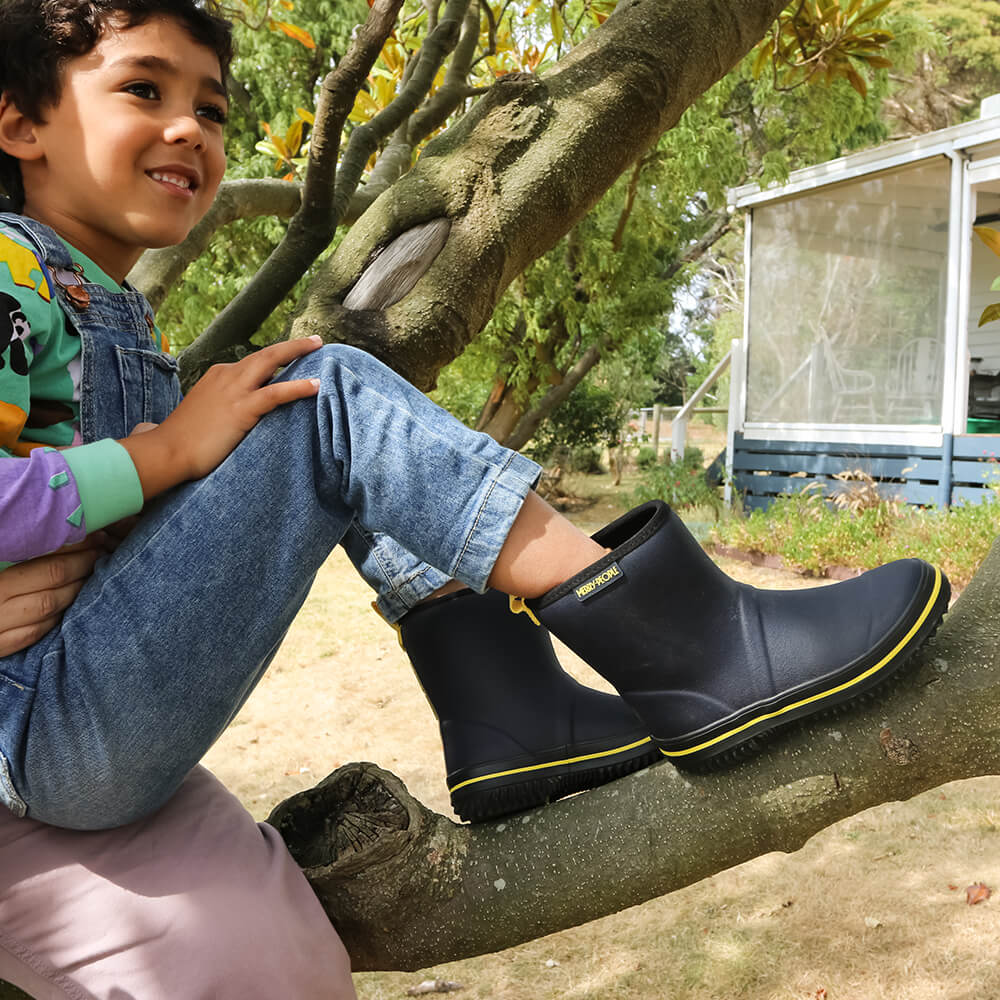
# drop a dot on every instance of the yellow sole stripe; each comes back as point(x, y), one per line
point(823, 694)
point(554, 763)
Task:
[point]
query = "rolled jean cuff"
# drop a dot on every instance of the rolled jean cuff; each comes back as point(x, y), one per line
point(501, 500)
point(408, 593)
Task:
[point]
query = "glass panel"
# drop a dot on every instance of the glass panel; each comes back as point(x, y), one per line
point(984, 341)
point(847, 301)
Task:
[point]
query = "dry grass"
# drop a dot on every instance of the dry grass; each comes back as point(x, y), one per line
point(865, 911)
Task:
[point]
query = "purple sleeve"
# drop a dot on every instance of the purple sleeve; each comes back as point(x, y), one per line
point(40, 505)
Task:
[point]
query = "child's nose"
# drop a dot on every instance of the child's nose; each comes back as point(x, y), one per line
point(184, 128)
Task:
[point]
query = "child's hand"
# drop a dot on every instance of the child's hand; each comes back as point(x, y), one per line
point(216, 415)
point(35, 594)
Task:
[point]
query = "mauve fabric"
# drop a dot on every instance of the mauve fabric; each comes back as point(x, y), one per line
point(41, 495)
point(196, 902)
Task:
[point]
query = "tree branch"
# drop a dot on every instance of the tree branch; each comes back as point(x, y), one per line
point(158, 270)
point(626, 213)
point(365, 138)
point(454, 89)
point(408, 888)
point(700, 247)
point(532, 420)
point(397, 157)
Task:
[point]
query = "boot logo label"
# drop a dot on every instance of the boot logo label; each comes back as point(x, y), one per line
point(597, 583)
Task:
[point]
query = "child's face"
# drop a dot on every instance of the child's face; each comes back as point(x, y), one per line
point(132, 155)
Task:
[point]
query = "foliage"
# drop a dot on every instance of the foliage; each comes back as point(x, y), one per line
point(618, 279)
point(587, 419)
point(966, 58)
point(646, 458)
point(682, 484)
point(811, 535)
point(825, 38)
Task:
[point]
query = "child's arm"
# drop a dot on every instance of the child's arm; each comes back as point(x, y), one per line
point(53, 498)
point(215, 416)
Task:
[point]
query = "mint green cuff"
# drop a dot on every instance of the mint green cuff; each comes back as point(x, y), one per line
point(107, 482)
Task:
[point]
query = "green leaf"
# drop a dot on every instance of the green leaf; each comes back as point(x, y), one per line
point(989, 236)
point(557, 24)
point(872, 12)
point(990, 313)
point(268, 149)
point(763, 57)
point(995, 287)
point(293, 137)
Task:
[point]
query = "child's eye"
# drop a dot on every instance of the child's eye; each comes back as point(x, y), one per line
point(147, 91)
point(214, 113)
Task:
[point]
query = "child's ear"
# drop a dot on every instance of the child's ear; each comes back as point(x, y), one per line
point(17, 132)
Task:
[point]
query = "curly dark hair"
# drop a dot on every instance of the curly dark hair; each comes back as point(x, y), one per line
point(37, 38)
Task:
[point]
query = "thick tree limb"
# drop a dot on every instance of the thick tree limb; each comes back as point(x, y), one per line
point(408, 888)
point(522, 167)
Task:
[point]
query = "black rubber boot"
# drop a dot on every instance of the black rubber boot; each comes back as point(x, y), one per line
point(518, 731)
point(710, 664)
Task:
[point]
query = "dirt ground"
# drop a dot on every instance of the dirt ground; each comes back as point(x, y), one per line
point(871, 909)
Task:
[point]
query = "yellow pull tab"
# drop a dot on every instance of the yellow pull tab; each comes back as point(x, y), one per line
point(518, 606)
point(392, 625)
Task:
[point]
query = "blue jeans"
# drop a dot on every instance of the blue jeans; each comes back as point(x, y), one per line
point(101, 720)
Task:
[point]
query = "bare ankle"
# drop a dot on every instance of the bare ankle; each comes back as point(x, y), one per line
point(451, 587)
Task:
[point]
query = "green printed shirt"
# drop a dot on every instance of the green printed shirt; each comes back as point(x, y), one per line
point(52, 495)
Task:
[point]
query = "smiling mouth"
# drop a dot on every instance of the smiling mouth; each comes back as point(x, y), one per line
point(175, 180)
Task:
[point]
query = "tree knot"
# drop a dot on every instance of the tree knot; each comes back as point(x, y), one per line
point(899, 749)
point(354, 818)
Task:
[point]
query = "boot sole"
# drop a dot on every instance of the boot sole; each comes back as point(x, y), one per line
point(513, 787)
point(735, 739)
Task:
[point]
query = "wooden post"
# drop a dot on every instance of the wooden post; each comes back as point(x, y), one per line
point(657, 412)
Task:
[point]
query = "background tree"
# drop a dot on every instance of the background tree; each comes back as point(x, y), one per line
point(956, 67)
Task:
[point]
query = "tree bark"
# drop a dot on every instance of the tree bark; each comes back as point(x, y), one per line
point(521, 168)
point(408, 888)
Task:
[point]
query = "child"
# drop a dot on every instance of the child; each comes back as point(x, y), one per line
point(111, 122)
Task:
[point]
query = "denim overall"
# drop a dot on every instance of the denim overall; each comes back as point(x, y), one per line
point(125, 379)
point(101, 720)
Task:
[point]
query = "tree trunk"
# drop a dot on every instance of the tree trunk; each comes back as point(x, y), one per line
point(519, 170)
point(408, 888)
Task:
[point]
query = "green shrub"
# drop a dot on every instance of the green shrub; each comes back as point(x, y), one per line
point(812, 536)
point(646, 457)
point(584, 459)
point(682, 484)
point(576, 430)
